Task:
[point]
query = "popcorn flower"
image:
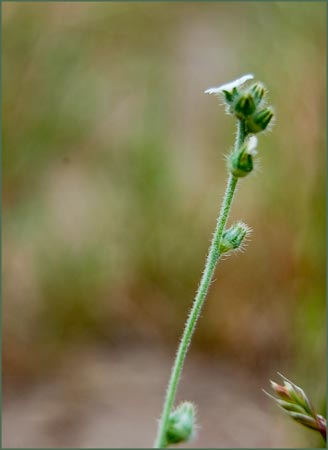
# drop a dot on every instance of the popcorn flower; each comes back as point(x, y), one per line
point(230, 86)
point(247, 103)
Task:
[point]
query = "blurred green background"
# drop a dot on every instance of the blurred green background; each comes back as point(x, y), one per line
point(113, 173)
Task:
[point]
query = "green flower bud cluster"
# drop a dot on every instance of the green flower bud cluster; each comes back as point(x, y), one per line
point(293, 400)
point(246, 103)
point(234, 237)
point(181, 424)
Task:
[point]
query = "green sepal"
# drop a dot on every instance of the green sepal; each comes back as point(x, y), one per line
point(240, 163)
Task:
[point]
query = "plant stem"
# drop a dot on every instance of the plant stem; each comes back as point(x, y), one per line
point(322, 426)
point(211, 262)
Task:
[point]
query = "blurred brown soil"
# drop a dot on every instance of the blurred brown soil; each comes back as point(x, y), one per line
point(102, 398)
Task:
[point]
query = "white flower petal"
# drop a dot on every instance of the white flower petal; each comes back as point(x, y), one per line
point(229, 86)
point(251, 145)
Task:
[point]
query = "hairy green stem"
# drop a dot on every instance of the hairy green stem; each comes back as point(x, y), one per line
point(211, 262)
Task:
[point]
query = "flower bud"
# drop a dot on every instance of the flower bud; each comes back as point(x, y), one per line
point(181, 424)
point(259, 121)
point(281, 391)
point(293, 400)
point(258, 91)
point(240, 161)
point(244, 105)
point(297, 395)
point(233, 238)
